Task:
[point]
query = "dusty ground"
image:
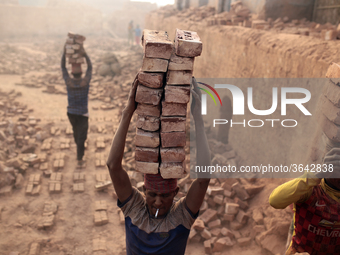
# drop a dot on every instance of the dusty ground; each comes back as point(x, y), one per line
point(74, 230)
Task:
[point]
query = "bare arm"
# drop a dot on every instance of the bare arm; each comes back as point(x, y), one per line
point(63, 66)
point(198, 188)
point(88, 74)
point(119, 176)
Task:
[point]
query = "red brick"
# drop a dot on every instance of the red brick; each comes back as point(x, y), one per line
point(177, 94)
point(243, 204)
point(211, 202)
point(172, 170)
point(242, 217)
point(147, 95)
point(253, 190)
point(244, 241)
point(148, 123)
point(240, 191)
point(234, 225)
point(213, 191)
point(154, 65)
point(187, 44)
point(333, 71)
point(147, 167)
point(180, 63)
point(178, 77)
point(173, 109)
point(227, 232)
point(151, 80)
point(222, 243)
point(148, 110)
point(198, 225)
point(207, 247)
point(258, 217)
point(231, 208)
point(330, 35)
point(147, 139)
point(214, 224)
point(173, 124)
point(218, 199)
point(209, 215)
point(216, 232)
point(172, 154)
point(259, 24)
point(173, 139)
point(147, 154)
point(206, 234)
point(156, 44)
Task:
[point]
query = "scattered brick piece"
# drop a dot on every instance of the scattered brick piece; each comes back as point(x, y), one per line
point(231, 208)
point(240, 191)
point(34, 249)
point(187, 43)
point(198, 225)
point(36, 190)
point(101, 205)
point(244, 241)
point(78, 177)
point(100, 218)
point(99, 244)
point(209, 215)
point(207, 247)
point(214, 224)
point(78, 187)
point(103, 185)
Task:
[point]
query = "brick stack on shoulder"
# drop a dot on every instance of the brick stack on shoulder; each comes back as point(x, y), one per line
point(163, 93)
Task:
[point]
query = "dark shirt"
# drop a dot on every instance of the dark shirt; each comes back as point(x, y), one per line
point(77, 89)
point(148, 235)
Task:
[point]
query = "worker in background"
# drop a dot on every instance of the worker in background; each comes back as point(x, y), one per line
point(130, 33)
point(77, 95)
point(154, 223)
point(316, 208)
point(138, 34)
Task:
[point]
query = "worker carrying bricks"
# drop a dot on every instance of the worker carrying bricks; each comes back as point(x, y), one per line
point(154, 223)
point(316, 209)
point(77, 91)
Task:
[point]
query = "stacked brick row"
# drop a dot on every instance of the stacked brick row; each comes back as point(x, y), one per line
point(329, 105)
point(74, 43)
point(163, 93)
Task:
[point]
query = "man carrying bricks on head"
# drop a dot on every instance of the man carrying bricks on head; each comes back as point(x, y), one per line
point(316, 209)
point(154, 224)
point(77, 94)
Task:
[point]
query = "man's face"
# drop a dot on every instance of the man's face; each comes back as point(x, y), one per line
point(162, 201)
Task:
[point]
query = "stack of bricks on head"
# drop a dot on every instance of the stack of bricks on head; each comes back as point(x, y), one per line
point(329, 105)
point(163, 93)
point(73, 45)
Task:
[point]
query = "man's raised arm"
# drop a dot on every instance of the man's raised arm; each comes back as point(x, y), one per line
point(119, 176)
point(198, 188)
point(63, 65)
